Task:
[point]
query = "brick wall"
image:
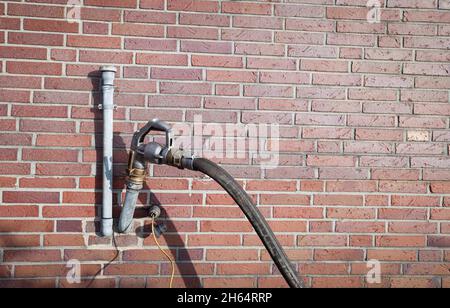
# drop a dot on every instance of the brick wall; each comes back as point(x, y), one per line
point(363, 110)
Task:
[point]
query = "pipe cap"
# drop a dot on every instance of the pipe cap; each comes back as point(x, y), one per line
point(108, 68)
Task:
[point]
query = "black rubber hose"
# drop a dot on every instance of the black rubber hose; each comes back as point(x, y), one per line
point(254, 216)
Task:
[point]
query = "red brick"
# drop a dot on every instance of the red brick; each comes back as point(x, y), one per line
point(299, 11)
point(23, 52)
point(95, 28)
point(193, 5)
point(50, 169)
point(68, 212)
point(176, 74)
point(47, 97)
point(47, 126)
point(375, 67)
point(246, 35)
point(21, 226)
point(400, 241)
point(106, 56)
point(243, 269)
point(49, 155)
point(206, 47)
point(329, 161)
point(150, 44)
point(50, 25)
point(424, 96)
point(228, 282)
point(16, 9)
point(55, 270)
point(93, 41)
point(234, 76)
point(246, 8)
point(413, 282)
point(257, 22)
point(136, 72)
point(39, 111)
point(40, 68)
point(403, 214)
point(47, 183)
point(360, 227)
point(226, 255)
point(229, 103)
point(225, 226)
point(20, 240)
point(155, 17)
point(32, 256)
point(63, 240)
point(19, 211)
point(338, 254)
point(412, 227)
point(64, 140)
point(168, 115)
point(213, 240)
point(227, 89)
point(162, 59)
point(9, 23)
point(217, 61)
point(185, 88)
point(63, 55)
point(426, 4)
point(416, 201)
point(7, 182)
point(112, 3)
point(259, 49)
point(152, 4)
point(298, 212)
point(322, 240)
point(100, 14)
point(280, 118)
point(438, 241)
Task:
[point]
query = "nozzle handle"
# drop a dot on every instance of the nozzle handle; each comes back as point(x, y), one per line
point(156, 125)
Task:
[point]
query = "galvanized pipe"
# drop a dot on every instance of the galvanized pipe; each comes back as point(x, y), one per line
point(108, 74)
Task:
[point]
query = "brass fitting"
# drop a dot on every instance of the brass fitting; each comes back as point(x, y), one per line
point(136, 176)
point(174, 158)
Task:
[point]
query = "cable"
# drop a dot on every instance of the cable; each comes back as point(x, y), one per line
point(109, 263)
point(172, 262)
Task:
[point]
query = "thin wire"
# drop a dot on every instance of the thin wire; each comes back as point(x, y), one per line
point(109, 263)
point(172, 262)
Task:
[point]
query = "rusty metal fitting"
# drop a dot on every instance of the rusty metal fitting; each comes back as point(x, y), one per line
point(136, 176)
point(177, 157)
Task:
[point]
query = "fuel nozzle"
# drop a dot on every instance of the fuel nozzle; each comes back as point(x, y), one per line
point(140, 155)
point(157, 153)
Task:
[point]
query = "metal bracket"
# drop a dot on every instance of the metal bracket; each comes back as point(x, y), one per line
point(113, 107)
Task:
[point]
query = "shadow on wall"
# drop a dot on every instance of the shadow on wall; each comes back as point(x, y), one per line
point(182, 255)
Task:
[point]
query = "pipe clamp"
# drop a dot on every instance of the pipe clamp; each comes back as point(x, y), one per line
point(107, 107)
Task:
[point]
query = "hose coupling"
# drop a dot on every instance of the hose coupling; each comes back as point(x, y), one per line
point(178, 158)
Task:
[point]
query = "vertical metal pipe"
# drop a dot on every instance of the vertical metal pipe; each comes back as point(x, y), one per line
point(108, 74)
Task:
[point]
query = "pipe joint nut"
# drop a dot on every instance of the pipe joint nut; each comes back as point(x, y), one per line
point(136, 177)
point(177, 158)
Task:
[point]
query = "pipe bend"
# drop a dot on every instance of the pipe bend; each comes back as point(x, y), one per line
point(254, 216)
